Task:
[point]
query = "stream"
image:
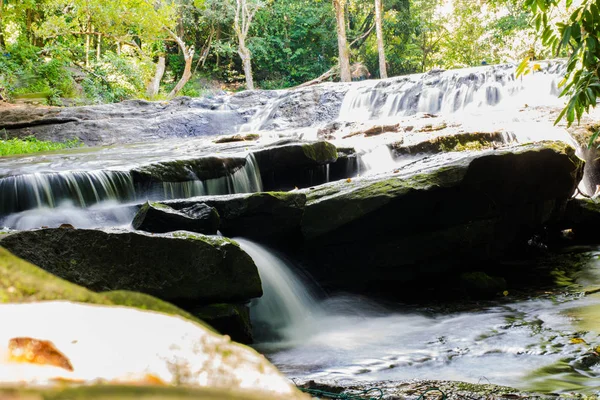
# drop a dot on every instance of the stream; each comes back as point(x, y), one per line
point(542, 343)
point(538, 342)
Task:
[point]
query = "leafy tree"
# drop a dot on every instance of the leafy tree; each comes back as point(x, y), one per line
point(577, 34)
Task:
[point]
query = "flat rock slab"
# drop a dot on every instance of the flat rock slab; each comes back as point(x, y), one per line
point(178, 267)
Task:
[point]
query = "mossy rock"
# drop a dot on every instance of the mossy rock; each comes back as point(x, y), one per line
point(114, 392)
point(146, 302)
point(181, 267)
point(23, 282)
point(440, 215)
point(188, 170)
point(473, 141)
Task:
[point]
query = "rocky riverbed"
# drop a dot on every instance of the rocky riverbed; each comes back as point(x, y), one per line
point(430, 210)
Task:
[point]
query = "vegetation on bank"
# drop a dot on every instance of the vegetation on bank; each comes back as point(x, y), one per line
point(32, 145)
point(97, 51)
point(109, 50)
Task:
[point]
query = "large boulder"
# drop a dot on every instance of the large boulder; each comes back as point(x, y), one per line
point(268, 216)
point(181, 267)
point(87, 344)
point(373, 233)
point(25, 283)
point(160, 218)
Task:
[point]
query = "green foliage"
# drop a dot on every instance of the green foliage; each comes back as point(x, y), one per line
point(578, 36)
point(33, 145)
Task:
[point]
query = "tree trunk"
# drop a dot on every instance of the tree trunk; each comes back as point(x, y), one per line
point(187, 72)
point(344, 53)
point(154, 84)
point(2, 41)
point(380, 46)
point(98, 47)
point(87, 44)
point(246, 57)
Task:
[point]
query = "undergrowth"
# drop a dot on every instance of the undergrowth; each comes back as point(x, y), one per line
point(32, 145)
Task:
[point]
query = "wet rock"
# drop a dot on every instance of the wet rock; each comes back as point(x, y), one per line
point(229, 319)
point(127, 122)
point(160, 218)
point(188, 170)
point(178, 267)
point(456, 142)
point(295, 165)
point(433, 217)
point(267, 216)
point(238, 138)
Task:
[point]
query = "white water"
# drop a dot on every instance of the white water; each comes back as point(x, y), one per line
point(92, 199)
point(288, 307)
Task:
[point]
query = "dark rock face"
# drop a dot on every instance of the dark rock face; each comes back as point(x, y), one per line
point(229, 319)
point(183, 268)
point(582, 216)
point(269, 216)
point(158, 218)
point(372, 234)
point(295, 165)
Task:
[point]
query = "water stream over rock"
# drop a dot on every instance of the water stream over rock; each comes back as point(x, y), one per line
point(342, 337)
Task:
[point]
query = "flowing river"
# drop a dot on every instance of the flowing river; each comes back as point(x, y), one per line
point(541, 342)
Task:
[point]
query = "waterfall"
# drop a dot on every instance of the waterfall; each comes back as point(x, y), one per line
point(49, 190)
point(448, 92)
point(287, 306)
point(89, 199)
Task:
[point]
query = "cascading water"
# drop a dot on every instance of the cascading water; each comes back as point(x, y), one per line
point(287, 308)
point(448, 92)
point(88, 199)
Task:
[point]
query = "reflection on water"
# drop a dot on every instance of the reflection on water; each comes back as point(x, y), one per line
point(507, 344)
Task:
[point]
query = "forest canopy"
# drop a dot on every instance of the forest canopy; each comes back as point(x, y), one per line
point(109, 50)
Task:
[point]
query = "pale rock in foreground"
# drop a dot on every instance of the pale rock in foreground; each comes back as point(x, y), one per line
point(124, 345)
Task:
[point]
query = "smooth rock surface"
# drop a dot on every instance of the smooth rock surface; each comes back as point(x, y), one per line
point(178, 267)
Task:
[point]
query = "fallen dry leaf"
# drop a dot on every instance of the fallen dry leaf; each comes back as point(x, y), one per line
point(34, 351)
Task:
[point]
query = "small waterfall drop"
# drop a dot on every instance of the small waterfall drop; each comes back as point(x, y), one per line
point(287, 306)
point(89, 199)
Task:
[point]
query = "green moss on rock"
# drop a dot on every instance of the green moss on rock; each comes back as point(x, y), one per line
point(146, 302)
point(320, 152)
point(23, 282)
point(115, 392)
